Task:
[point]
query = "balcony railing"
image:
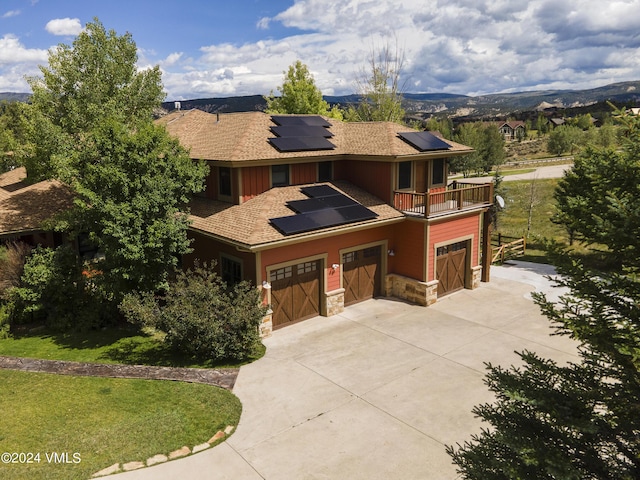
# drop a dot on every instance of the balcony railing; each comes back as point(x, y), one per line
point(457, 196)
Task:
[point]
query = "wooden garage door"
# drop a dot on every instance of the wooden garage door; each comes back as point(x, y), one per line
point(451, 262)
point(295, 293)
point(361, 274)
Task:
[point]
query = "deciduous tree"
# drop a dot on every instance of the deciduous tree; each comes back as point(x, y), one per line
point(299, 95)
point(92, 127)
point(379, 87)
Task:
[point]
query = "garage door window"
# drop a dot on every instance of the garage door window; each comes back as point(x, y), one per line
point(307, 267)
point(281, 274)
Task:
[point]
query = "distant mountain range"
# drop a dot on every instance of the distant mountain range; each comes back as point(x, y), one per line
point(423, 105)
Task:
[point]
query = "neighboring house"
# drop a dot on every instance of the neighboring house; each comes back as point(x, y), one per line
point(25, 209)
point(321, 214)
point(512, 130)
point(556, 122)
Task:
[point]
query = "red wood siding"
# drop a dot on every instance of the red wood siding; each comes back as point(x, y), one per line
point(374, 177)
point(330, 246)
point(408, 245)
point(448, 231)
point(255, 180)
point(302, 173)
point(206, 249)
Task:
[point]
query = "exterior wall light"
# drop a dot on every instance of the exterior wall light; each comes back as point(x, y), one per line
point(391, 253)
point(266, 285)
point(335, 266)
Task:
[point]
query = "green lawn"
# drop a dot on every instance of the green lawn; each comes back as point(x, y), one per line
point(114, 345)
point(104, 420)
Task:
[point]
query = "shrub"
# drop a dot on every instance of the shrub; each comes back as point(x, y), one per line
point(54, 290)
point(201, 316)
point(12, 259)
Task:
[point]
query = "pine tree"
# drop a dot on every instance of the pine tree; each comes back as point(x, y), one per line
point(581, 420)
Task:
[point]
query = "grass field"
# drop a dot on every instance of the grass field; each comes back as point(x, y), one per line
point(104, 421)
point(529, 207)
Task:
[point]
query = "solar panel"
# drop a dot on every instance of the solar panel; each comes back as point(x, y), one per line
point(300, 144)
point(329, 217)
point(301, 131)
point(319, 191)
point(301, 120)
point(312, 204)
point(424, 141)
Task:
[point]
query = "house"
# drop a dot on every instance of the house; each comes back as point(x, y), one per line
point(512, 130)
point(321, 214)
point(556, 122)
point(25, 208)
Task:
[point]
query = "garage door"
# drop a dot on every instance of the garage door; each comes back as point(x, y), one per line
point(361, 271)
point(451, 263)
point(295, 293)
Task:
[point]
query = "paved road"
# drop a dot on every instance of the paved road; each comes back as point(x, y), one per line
point(552, 171)
point(378, 391)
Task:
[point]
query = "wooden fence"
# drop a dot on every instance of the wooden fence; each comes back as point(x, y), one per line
point(514, 247)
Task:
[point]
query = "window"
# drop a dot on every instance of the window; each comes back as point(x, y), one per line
point(307, 267)
point(437, 171)
point(281, 274)
point(404, 175)
point(325, 171)
point(279, 175)
point(231, 270)
point(224, 181)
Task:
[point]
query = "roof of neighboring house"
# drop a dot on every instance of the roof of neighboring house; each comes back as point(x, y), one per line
point(248, 224)
point(557, 121)
point(25, 207)
point(513, 125)
point(243, 137)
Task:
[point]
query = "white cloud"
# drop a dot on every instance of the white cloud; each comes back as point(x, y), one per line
point(64, 26)
point(263, 23)
point(13, 52)
point(11, 13)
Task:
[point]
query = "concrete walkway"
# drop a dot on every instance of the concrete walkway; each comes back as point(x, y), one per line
point(378, 391)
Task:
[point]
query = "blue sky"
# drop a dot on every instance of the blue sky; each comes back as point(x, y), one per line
point(219, 48)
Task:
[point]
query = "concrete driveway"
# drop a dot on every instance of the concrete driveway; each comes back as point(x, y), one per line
point(377, 392)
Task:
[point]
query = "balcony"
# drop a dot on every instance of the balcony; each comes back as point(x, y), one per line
point(456, 197)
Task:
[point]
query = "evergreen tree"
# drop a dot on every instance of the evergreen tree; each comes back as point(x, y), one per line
point(581, 420)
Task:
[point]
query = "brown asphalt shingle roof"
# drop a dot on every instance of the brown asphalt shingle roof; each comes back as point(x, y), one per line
point(248, 223)
point(26, 207)
point(243, 137)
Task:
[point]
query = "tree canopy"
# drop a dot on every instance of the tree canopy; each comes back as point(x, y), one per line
point(91, 126)
point(299, 95)
point(379, 88)
point(580, 420)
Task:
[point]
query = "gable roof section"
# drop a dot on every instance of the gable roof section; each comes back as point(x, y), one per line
point(248, 224)
point(26, 207)
point(243, 137)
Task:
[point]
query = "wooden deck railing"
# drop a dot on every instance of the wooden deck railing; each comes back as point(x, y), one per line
point(457, 196)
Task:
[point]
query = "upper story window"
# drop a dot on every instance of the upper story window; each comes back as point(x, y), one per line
point(279, 175)
point(404, 175)
point(438, 175)
point(325, 171)
point(224, 181)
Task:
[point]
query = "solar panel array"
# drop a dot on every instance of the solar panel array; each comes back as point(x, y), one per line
point(301, 133)
point(325, 207)
point(424, 141)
